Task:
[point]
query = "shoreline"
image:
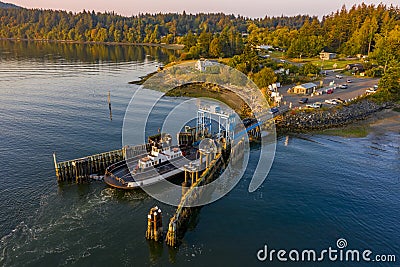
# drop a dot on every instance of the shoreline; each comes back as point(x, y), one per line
point(143, 79)
point(378, 123)
point(167, 46)
point(356, 119)
point(318, 121)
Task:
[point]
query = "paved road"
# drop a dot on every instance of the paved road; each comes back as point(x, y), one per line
point(356, 88)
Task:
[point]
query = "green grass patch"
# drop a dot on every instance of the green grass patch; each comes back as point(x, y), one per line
point(224, 60)
point(326, 64)
point(276, 54)
point(351, 131)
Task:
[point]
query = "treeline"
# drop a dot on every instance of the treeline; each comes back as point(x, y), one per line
point(219, 33)
point(358, 30)
point(349, 32)
point(110, 27)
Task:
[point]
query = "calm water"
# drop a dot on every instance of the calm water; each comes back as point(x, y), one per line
point(53, 97)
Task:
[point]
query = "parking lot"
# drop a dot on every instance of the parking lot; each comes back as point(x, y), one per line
point(356, 88)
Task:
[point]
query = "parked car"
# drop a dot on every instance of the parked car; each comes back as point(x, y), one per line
point(376, 87)
point(371, 90)
point(349, 81)
point(331, 101)
point(338, 100)
point(339, 76)
point(315, 105)
point(330, 91)
point(274, 110)
point(343, 86)
point(303, 100)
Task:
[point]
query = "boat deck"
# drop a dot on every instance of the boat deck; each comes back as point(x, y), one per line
point(121, 175)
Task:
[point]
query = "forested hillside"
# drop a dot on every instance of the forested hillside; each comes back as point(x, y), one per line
point(354, 31)
point(8, 5)
point(362, 29)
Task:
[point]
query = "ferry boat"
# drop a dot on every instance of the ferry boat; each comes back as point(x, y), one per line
point(163, 161)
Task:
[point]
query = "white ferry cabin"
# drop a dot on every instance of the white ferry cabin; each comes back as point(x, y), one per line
point(159, 156)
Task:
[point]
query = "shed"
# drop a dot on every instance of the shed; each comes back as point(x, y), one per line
point(327, 55)
point(305, 89)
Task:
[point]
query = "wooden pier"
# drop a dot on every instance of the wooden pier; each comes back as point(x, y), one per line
point(191, 189)
point(81, 170)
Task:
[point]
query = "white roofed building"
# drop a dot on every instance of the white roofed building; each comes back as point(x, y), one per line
point(305, 89)
point(202, 64)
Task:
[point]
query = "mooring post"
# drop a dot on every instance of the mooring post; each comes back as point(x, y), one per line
point(149, 232)
point(185, 175)
point(77, 166)
point(154, 224)
point(157, 225)
point(78, 171)
point(201, 158)
point(185, 188)
point(56, 167)
point(69, 171)
point(109, 104)
point(171, 235)
point(207, 159)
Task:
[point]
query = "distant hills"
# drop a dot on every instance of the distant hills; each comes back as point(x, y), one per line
point(8, 5)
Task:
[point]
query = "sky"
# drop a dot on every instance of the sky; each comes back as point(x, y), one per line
point(248, 8)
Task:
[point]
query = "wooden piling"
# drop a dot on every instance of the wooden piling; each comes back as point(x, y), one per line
point(171, 238)
point(79, 170)
point(154, 225)
point(109, 104)
point(215, 162)
point(56, 167)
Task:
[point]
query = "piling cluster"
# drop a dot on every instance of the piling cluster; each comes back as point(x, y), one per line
point(154, 225)
point(172, 238)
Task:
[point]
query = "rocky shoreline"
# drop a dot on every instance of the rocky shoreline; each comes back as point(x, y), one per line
point(315, 120)
point(308, 120)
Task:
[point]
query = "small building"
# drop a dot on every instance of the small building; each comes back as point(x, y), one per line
point(202, 64)
point(327, 56)
point(280, 71)
point(305, 89)
point(355, 67)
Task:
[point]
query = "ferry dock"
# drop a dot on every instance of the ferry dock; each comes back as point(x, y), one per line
point(206, 165)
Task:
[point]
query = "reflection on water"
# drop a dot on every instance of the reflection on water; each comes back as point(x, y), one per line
point(90, 53)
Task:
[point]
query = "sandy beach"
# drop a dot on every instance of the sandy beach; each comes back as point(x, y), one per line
point(384, 121)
